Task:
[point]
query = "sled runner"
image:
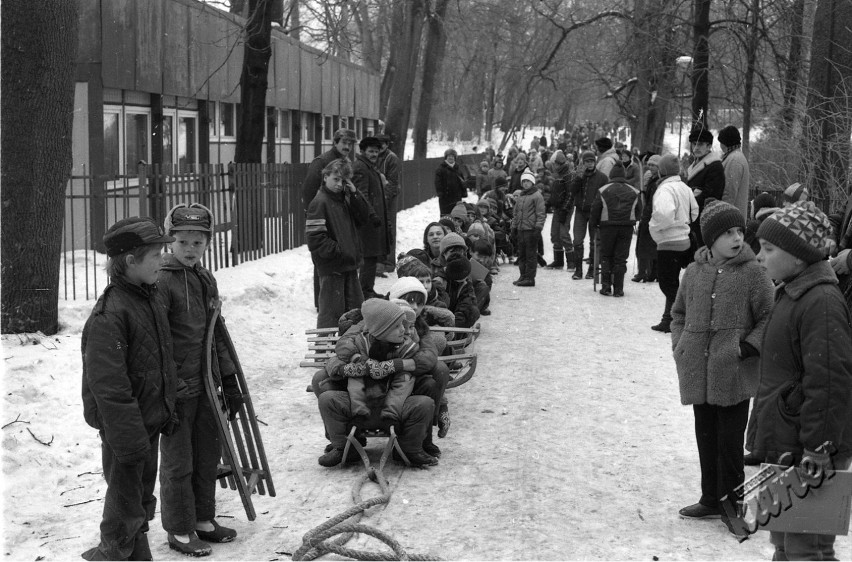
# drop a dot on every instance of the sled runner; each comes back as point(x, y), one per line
point(461, 358)
point(243, 465)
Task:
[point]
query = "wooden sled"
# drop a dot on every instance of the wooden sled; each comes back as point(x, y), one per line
point(244, 466)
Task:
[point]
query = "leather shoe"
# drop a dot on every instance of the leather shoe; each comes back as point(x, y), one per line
point(699, 511)
point(525, 283)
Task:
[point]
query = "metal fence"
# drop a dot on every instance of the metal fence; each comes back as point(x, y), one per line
point(257, 209)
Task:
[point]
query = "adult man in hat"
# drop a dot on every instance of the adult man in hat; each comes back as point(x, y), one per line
point(706, 174)
point(375, 235)
point(388, 166)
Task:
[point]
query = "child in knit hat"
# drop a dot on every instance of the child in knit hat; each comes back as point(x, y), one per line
point(805, 394)
point(387, 326)
point(528, 221)
point(718, 320)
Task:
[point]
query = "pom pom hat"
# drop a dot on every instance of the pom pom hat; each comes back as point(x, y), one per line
point(799, 229)
point(381, 316)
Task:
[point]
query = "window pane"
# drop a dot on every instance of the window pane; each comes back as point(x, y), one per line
point(211, 117)
point(284, 124)
point(112, 152)
point(168, 144)
point(135, 141)
point(326, 129)
point(308, 119)
point(226, 119)
point(186, 143)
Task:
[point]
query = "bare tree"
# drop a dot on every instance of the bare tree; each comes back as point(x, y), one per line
point(39, 47)
point(436, 42)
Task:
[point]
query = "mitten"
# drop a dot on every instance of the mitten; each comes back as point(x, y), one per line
point(233, 397)
point(383, 369)
point(354, 369)
point(815, 464)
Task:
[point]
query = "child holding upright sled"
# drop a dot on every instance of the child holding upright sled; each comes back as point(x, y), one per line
point(190, 456)
point(718, 320)
point(805, 394)
point(129, 385)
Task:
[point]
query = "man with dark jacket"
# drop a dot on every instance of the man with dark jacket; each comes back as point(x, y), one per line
point(616, 209)
point(706, 174)
point(562, 201)
point(388, 166)
point(449, 182)
point(584, 188)
point(375, 235)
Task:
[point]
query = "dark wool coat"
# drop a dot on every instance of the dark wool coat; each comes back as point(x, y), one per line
point(128, 371)
point(708, 175)
point(375, 240)
point(189, 296)
point(719, 304)
point(561, 198)
point(805, 394)
point(646, 248)
point(585, 188)
point(313, 179)
point(449, 183)
point(332, 230)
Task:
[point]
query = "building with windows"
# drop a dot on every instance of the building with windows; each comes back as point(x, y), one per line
point(158, 81)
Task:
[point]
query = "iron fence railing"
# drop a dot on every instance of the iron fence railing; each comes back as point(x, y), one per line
point(257, 208)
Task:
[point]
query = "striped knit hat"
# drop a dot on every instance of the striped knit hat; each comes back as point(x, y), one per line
point(717, 217)
point(796, 192)
point(799, 229)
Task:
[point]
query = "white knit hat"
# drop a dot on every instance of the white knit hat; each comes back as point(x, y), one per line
point(528, 176)
point(405, 285)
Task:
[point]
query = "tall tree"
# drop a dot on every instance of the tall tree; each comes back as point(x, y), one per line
point(39, 49)
point(254, 78)
point(436, 43)
point(701, 60)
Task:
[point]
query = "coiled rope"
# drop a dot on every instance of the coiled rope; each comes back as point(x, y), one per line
point(315, 543)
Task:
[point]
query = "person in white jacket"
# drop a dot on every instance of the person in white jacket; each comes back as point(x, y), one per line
point(675, 208)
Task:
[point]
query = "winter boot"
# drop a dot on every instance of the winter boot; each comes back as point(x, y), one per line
point(606, 290)
point(558, 259)
point(570, 261)
point(618, 284)
point(429, 446)
point(218, 533)
point(541, 261)
point(578, 271)
point(666, 322)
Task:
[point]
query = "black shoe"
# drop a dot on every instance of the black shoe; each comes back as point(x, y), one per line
point(664, 326)
point(333, 457)
point(431, 449)
point(752, 460)
point(606, 291)
point(195, 546)
point(618, 293)
point(555, 265)
point(526, 283)
point(420, 458)
point(219, 533)
point(485, 312)
point(590, 274)
point(638, 278)
point(359, 436)
point(578, 274)
point(516, 281)
point(699, 511)
point(443, 420)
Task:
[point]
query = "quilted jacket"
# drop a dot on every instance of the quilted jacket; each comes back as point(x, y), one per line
point(332, 230)
point(128, 371)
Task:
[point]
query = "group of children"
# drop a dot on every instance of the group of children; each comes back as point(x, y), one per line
point(144, 386)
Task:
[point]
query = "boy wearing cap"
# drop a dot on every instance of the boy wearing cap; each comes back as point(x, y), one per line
point(332, 232)
point(129, 385)
point(805, 394)
point(584, 189)
point(528, 219)
point(718, 320)
point(190, 455)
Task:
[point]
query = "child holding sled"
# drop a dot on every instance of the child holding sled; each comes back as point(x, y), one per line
point(129, 385)
point(190, 456)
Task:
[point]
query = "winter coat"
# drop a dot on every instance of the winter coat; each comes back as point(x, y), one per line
point(646, 248)
point(449, 183)
point(463, 302)
point(720, 303)
point(189, 295)
point(375, 238)
point(561, 198)
point(388, 166)
point(708, 175)
point(616, 204)
point(805, 393)
point(529, 213)
point(313, 179)
point(584, 189)
point(632, 176)
point(332, 230)
point(736, 180)
point(128, 371)
point(607, 161)
point(674, 209)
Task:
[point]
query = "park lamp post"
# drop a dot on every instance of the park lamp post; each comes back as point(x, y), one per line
point(683, 63)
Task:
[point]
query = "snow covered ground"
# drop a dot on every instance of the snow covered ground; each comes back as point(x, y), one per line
point(568, 443)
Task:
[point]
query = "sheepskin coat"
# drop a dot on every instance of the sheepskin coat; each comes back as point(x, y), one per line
point(719, 304)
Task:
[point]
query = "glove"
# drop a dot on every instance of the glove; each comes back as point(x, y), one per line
point(383, 369)
point(233, 397)
point(815, 465)
point(354, 369)
point(376, 221)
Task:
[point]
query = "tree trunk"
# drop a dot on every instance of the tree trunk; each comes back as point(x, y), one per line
point(436, 43)
point(751, 56)
point(254, 81)
point(701, 61)
point(39, 48)
point(830, 100)
point(794, 63)
point(407, 38)
point(799, 107)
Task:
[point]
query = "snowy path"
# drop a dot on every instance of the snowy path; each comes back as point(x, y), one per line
point(568, 443)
